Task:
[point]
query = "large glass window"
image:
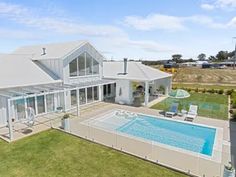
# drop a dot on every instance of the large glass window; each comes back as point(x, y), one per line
point(89, 94)
point(73, 68)
point(40, 104)
point(89, 64)
point(73, 96)
point(20, 108)
point(95, 93)
point(82, 96)
point(31, 102)
point(95, 67)
point(50, 102)
point(84, 65)
point(81, 64)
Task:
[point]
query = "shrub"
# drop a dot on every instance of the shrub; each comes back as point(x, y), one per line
point(229, 92)
point(234, 105)
point(234, 115)
point(213, 91)
point(221, 91)
point(231, 111)
point(196, 90)
point(204, 90)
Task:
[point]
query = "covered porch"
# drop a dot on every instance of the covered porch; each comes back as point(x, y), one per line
point(21, 107)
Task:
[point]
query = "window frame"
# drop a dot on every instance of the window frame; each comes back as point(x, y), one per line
point(93, 74)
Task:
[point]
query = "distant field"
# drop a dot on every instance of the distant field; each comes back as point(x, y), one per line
point(198, 75)
point(203, 86)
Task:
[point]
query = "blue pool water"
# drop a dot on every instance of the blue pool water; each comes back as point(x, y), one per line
point(182, 135)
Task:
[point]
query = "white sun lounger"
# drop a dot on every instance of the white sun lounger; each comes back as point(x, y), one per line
point(192, 113)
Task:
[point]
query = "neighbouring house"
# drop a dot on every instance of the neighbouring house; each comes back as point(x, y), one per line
point(64, 76)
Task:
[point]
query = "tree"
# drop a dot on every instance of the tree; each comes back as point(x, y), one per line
point(222, 55)
point(176, 57)
point(202, 57)
point(211, 58)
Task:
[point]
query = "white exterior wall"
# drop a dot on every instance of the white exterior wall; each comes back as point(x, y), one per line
point(55, 66)
point(3, 110)
point(126, 91)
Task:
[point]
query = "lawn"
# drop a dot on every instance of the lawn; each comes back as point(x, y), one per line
point(54, 153)
point(210, 105)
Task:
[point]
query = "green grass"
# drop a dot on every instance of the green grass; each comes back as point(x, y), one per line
point(209, 105)
point(54, 153)
point(203, 86)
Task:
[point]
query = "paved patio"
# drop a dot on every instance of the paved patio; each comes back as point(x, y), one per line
point(97, 109)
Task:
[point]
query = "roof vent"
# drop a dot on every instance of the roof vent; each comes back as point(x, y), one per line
point(125, 65)
point(44, 51)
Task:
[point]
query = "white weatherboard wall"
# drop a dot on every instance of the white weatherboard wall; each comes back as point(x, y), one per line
point(126, 95)
point(3, 110)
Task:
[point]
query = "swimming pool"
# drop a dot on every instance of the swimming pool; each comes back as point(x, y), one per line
point(187, 136)
point(178, 134)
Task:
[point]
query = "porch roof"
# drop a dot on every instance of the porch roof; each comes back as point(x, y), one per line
point(135, 71)
point(29, 91)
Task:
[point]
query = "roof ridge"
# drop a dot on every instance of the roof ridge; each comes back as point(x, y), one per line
point(142, 70)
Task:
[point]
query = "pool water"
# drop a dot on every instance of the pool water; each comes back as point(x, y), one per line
point(187, 136)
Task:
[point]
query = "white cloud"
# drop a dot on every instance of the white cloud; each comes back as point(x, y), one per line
point(155, 21)
point(220, 4)
point(108, 34)
point(207, 6)
point(172, 23)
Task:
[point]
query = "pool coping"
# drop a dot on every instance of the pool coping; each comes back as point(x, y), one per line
point(217, 146)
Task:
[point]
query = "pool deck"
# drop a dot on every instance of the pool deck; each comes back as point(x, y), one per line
point(137, 148)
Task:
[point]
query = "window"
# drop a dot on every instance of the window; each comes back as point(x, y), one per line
point(82, 96)
point(95, 67)
point(81, 64)
point(40, 104)
point(89, 64)
point(73, 97)
point(90, 94)
point(73, 68)
point(31, 102)
point(95, 93)
point(84, 65)
point(50, 102)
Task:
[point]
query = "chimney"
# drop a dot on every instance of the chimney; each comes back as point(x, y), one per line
point(125, 65)
point(44, 51)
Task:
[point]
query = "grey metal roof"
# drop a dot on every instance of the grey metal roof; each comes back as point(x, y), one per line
point(135, 71)
point(18, 71)
point(52, 51)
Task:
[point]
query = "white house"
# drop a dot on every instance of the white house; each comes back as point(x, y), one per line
point(130, 76)
point(53, 77)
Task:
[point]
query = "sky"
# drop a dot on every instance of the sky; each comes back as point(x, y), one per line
point(135, 29)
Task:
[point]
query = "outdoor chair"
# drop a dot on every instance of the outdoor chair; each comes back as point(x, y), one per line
point(192, 113)
point(173, 110)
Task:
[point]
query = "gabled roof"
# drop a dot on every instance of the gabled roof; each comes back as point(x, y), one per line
point(18, 71)
point(53, 51)
point(135, 71)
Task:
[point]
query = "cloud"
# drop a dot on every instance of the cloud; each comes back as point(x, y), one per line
point(108, 35)
point(155, 21)
point(220, 4)
point(207, 6)
point(172, 23)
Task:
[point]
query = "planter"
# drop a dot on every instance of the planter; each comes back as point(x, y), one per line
point(65, 123)
point(229, 173)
